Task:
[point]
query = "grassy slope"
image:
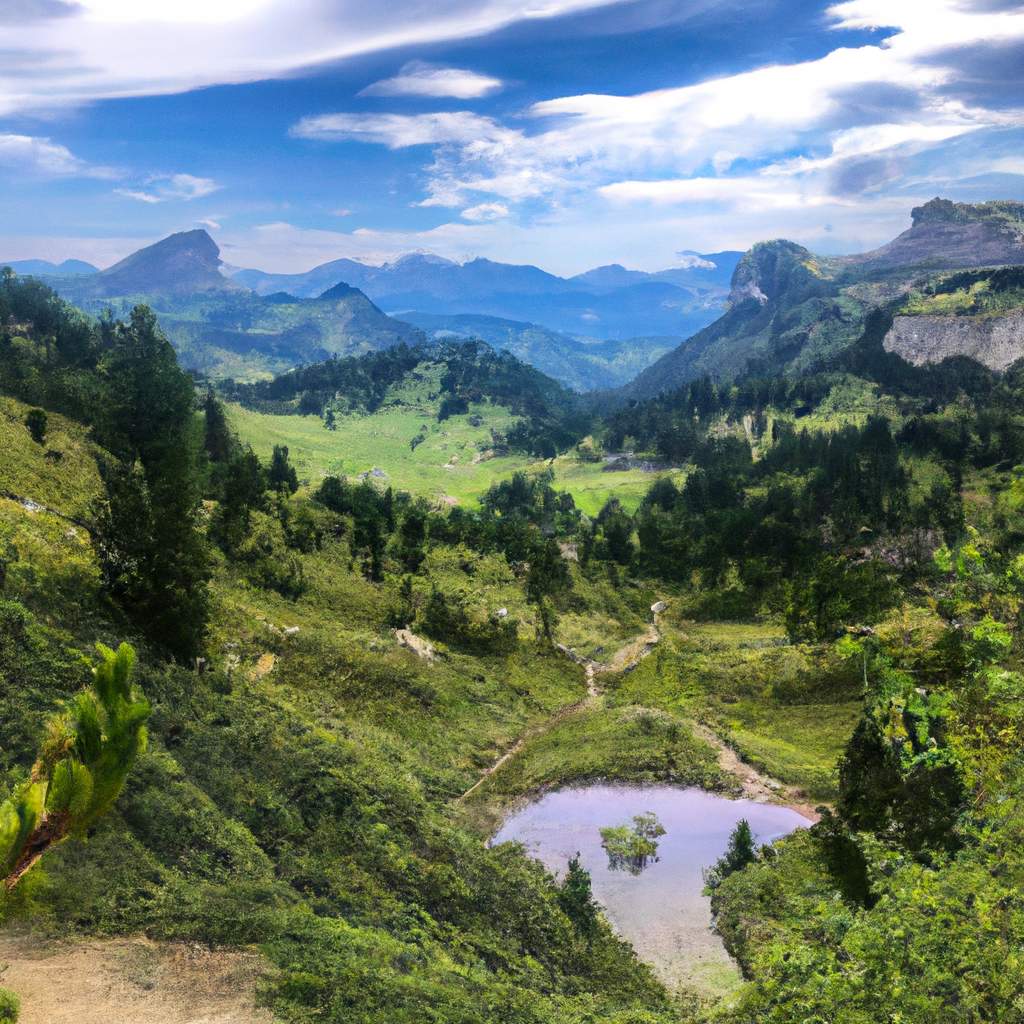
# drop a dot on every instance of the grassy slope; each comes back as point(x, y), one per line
point(452, 462)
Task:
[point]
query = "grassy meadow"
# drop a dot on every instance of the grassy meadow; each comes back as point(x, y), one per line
point(454, 461)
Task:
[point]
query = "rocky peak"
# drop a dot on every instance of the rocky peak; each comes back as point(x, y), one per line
point(188, 261)
point(772, 269)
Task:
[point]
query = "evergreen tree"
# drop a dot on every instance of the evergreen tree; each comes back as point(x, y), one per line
point(85, 757)
point(738, 854)
point(576, 899)
point(217, 438)
point(282, 476)
point(36, 421)
point(149, 421)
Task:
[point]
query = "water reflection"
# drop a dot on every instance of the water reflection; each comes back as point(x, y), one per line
point(631, 847)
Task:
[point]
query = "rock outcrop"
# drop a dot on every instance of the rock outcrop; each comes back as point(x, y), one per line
point(995, 341)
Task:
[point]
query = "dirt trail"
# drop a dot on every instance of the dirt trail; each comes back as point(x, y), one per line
point(755, 785)
point(623, 660)
point(130, 981)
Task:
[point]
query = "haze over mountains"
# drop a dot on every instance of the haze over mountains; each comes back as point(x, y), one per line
point(596, 330)
point(779, 307)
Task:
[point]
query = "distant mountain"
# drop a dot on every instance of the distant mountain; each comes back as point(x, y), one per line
point(608, 302)
point(223, 329)
point(44, 268)
point(790, 310)
point(181, 264)
point(583, 364)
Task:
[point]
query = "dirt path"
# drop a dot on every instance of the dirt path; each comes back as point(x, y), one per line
point(623, 660)
point(130, 981)
point(755, 785)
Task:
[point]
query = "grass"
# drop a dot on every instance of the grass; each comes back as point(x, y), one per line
point(455, 460)
point(627, 743)
point(788, 710)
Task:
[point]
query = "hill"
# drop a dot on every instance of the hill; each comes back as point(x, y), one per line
point(829, 590)
point(790, 310)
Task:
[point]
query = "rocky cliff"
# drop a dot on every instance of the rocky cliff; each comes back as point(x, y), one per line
point(995, 341)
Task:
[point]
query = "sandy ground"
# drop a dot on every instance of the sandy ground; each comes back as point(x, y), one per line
point(130, 981)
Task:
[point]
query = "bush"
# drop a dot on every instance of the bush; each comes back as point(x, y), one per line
point(36, 421)
point(10, 1007)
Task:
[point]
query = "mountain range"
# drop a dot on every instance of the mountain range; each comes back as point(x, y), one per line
point(606, 302)
point(777, 307)
point(596, 330)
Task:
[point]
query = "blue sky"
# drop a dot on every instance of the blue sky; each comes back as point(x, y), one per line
point(566, 133)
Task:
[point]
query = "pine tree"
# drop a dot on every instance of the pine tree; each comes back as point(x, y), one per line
point(738, 854)
point(576, 899)
point(282, 475)
point(149, 422)
point(86, 754)
point(217, 438)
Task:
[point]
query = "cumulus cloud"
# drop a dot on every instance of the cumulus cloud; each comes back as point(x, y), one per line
point(418, 78)
point(162, 188)
point(117, 48)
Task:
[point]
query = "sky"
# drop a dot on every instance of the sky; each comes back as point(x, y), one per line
point(564, 133)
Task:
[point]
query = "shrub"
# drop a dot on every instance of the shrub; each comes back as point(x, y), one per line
point(36, 421)
point(10, 1007)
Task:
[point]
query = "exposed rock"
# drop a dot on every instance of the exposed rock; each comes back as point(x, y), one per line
point(995, 341)
point(411, 642)
point(502, 613)
point(290, 630)
point(569, 551)
point(658, 607)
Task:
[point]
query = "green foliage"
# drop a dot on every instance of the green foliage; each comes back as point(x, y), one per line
point(576, 899)
point(630, 847)
point(738, 854)
point(36, 420)
point(83, 762)
point(10, 1007)
point(281, 475)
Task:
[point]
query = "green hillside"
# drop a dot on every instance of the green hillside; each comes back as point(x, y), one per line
point(350, 682)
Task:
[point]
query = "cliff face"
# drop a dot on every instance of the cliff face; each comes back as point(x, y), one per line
point(995, 341)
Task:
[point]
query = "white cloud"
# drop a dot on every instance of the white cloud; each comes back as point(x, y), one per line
point(117, 48)
point(42, 156)
point(485, 212)
point(162, 188)
point(418, 78)
point(398, 131)
point(813, 128)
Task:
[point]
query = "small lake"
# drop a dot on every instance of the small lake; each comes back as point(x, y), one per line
point(662, 910)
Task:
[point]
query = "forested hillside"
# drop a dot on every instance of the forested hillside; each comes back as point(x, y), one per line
point(349, 683)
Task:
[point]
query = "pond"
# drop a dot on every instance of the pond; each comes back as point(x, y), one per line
point(662, 910)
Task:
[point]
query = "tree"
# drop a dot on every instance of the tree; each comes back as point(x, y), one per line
point(36, 421)
point(282, 476)
point(631, 847)
point(149, 422)
point(576, 899)
point(548, 575)
point(86, 754)
point(738, 854)
point(217, 437)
